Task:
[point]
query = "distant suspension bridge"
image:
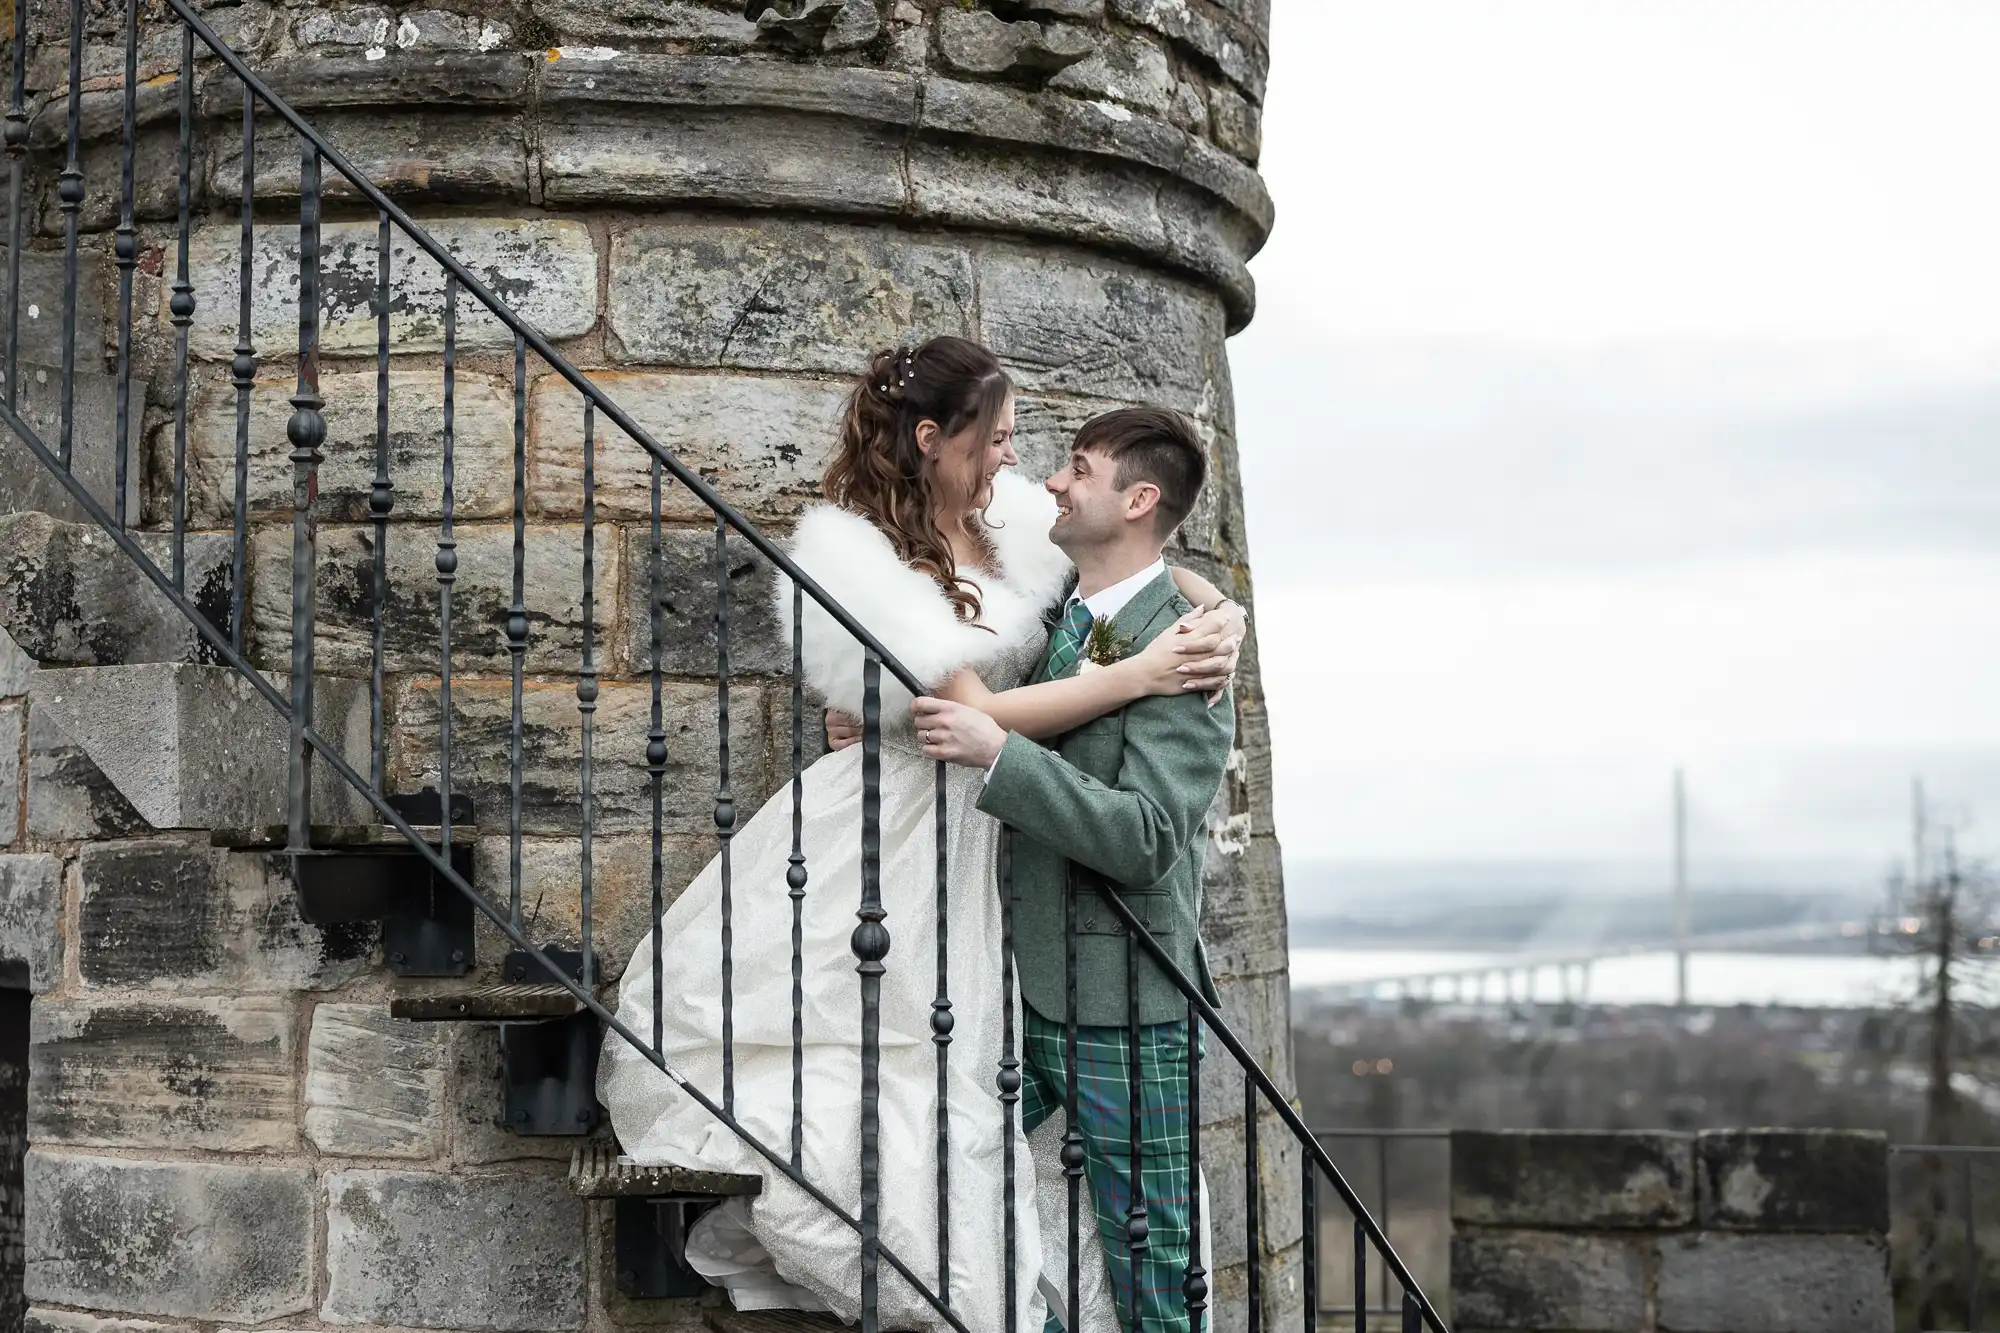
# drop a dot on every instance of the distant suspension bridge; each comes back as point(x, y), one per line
point(1518, 977)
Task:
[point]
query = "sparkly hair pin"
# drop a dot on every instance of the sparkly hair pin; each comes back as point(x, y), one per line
point(906, 370)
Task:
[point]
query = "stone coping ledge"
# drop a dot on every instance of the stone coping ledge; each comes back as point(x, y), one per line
point(1769, 1180)
point(872, 142)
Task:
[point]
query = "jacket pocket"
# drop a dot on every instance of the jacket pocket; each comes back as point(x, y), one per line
point(1153, 907)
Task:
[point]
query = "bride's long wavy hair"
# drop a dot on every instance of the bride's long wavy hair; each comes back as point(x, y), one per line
point(879, 472)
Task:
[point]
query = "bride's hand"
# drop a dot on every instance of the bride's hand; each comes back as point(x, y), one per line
point(1208, 644)
point(1163, 668)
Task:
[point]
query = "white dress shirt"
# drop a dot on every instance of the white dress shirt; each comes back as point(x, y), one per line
point(1106, 602)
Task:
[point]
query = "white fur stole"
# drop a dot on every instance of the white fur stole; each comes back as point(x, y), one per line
point(905, 610)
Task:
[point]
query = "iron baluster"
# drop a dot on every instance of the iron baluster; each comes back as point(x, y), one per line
point(1194, 1288)
point(1413, 1314)
point(181, 307)
point(307, 432)
point(1361, 1278)
point(656, 762)
point(871, 946)
point(125, 250)
point(795, 879)
point(447, 557)
point(381, 500)
point(1072, 1149)
point(243, 374)
point(17, 154)
point(1971, 1251)
point(1137, 1222)
point(1009, 1080)
point(1251, 1240)
point(1309, 1207)
point(69, 195)
point(517, 631)
point(586, 684)
point(941, 1038)
point(1382, 1180)
point(725, 813)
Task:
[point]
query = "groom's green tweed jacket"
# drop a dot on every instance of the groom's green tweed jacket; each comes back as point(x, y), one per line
point(1123, 800)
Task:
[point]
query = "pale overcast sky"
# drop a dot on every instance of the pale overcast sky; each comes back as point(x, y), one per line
point(1624, 392)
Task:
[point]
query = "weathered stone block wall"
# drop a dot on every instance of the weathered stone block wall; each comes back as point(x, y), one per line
point(718, 218)
point(1732, 1231)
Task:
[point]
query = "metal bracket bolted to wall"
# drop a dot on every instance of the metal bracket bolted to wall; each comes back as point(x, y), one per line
point(548, 1040)
point(652, 1209)
point(367, 872)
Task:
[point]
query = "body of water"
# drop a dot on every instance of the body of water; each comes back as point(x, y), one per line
point(1814, 981)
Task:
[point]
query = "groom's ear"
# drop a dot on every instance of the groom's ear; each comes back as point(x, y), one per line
point(1141, 503)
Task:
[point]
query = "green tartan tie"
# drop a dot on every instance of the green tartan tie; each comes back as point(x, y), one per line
point(1068, 639)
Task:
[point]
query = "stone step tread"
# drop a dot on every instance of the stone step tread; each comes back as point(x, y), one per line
point(596, 1173)
point(508, 1003)
point(771, 1321)
point(332, 837)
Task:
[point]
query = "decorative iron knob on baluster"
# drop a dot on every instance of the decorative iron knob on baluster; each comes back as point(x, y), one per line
point(17, 133)
point(941, 1020)
point(870, 943)
point(307, 428)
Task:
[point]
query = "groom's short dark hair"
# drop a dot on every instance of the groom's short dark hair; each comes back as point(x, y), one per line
point(1151, 444)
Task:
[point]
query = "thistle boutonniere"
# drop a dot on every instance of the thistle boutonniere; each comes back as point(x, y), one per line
point(1103, 645)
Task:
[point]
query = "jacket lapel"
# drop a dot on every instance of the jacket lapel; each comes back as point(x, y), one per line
point(1137, 619)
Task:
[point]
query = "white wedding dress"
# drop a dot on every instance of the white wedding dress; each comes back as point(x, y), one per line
point(783, 1250)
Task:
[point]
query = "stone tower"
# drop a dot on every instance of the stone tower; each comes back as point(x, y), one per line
point(719, 217)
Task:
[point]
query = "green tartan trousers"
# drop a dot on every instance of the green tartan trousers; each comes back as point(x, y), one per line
point(1150, 1301)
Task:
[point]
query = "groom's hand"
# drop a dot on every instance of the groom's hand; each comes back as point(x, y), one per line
point(841, 730)
point(957, 734)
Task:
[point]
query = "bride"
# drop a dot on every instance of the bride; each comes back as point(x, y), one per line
point(945, 557)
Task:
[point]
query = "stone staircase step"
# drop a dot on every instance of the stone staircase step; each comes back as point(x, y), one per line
point(69, 597)
point(195, 747)
point(595, 1172)
point(335, 837)
point(772, 1321)
point(516, 1002)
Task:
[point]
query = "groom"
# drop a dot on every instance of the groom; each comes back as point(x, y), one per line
point(1115, 807)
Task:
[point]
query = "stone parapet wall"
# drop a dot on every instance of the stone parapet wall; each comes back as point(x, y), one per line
point(1734, 1231)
